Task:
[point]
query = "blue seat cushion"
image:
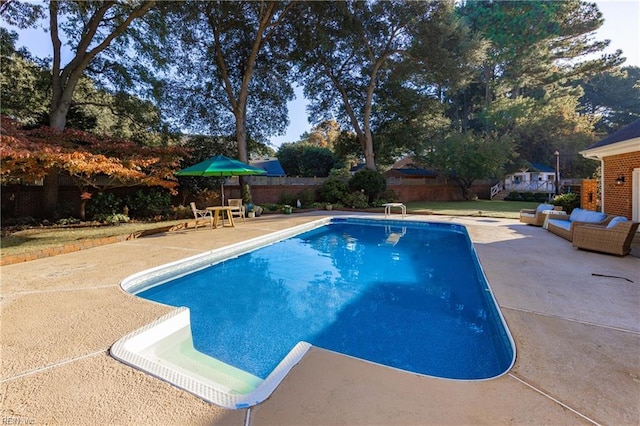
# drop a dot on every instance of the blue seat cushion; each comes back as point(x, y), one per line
point(564, 224)
point(616, 220)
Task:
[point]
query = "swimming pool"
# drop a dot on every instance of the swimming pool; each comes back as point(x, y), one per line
point(409, 295)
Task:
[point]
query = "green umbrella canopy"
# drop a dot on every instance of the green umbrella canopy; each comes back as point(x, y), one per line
point(221, 166)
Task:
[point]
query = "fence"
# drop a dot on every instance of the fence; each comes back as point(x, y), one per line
point(26, 200)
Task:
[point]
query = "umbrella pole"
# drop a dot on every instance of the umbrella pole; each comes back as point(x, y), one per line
point(222, 191)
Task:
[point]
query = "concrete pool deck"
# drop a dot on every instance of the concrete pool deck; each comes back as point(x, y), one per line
point(577, 339)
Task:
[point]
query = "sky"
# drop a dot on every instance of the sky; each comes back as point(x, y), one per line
point(621, 26)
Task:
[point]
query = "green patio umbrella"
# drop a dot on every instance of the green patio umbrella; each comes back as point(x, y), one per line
point(221, 166)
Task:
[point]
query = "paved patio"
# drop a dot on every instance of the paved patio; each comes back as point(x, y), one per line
point(577, 338)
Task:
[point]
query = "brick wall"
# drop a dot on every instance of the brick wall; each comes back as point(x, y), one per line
point(617, 198)
point(405, 193)
point(24, 201)
point(589, 194)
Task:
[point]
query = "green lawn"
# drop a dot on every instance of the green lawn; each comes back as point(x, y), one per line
point(505, 209)
point(40, 238)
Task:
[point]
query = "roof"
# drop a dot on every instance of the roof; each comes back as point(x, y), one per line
point(628, 132)
point(542, 168)
point(271, 165)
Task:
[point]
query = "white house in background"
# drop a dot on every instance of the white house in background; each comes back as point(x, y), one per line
point(537, 178)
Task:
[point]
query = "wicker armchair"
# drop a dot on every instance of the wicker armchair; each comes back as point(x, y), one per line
point(613, 240)
point(535, 216)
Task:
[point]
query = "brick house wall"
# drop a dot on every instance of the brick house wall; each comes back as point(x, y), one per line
point(618, 197)
point(589, 195)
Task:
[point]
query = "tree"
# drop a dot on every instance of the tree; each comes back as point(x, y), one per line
point(614, 97)
point(344, 52)
point(23, 82)
point(542, 126)
point(230, 74)
point(303, 159)
point(466, 158)
point(90, 28)
point(290, 156)
point(536, 44)
point(316, 161)
point(323, 135)
point(93, 163)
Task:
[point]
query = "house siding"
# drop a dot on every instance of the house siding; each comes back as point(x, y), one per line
point(618, 198)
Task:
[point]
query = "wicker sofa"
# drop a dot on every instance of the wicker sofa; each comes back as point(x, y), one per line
point(615, 238)
point(564, 226)
point(535, 216)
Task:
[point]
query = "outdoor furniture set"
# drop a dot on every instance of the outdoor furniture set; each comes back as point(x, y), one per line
point(214, 215)
point(587, 230)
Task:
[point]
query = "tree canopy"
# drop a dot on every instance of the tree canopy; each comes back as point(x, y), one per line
point(93, 163)
point(435, 79)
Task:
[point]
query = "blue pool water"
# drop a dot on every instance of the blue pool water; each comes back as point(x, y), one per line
point(407, 295)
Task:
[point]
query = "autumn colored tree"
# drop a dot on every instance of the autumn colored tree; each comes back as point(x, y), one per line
point(93, 163)
point(90, 29)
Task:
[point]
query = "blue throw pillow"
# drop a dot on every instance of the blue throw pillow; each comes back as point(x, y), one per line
point(592, 217)
point(616, 220)
point(542, 207)
point(575, 214)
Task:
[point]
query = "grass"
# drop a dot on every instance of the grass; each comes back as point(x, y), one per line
point(42, 238)
point(484, 208)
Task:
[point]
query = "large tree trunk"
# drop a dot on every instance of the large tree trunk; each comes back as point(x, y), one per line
point(51, 190)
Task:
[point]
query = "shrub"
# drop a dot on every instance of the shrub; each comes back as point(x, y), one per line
point(287, 199)
point(332, 191)
point(529, 196)
point(541, 197)
point(568, 201)
point(103, 204)
point(307, 197)
point(388, 196)
point(181, 212)
point(146, 204)
point(513, 196)
point(370, 182)
point(356, 200)
point(270, 207)
point(112, 219)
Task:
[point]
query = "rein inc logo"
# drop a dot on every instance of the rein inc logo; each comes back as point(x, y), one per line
point(17, 421)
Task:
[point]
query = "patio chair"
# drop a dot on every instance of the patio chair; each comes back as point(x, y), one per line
point(237, 209)
point(201, 215)
point(615, 238)
point(535, 216)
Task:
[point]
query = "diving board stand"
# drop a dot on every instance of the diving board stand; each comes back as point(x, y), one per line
point(388, 206)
